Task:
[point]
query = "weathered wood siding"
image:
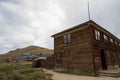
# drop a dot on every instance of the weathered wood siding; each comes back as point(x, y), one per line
point(83, 53)
point(49, 62)
point(112, 53)
point(77, 55)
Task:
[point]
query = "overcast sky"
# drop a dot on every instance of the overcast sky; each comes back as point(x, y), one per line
point(32, 22)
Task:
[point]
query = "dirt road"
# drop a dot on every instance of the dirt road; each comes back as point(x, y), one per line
point(61, 76)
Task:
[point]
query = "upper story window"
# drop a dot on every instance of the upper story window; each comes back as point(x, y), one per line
point(111, 40)
point(105, 37)
point(116, 43)
point(97, 35)
point(67, 38)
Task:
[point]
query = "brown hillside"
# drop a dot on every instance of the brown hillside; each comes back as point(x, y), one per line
point(33, 49)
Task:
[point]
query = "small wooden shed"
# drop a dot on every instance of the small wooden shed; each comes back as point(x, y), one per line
point(39, 62)
point(44, 62)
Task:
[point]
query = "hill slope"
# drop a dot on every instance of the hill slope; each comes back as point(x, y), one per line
point(33, 49)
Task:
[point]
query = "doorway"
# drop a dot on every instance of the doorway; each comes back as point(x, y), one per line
point(103, 59)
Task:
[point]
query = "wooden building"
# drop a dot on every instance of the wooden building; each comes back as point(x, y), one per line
point(39, 62)
point(44, 62)
point(86, 48)
point(49, 62)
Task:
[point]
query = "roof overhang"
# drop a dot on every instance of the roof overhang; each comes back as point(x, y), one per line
point(90, 22)
point(72, 29)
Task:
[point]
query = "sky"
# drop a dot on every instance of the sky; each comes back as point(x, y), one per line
point(32, 22)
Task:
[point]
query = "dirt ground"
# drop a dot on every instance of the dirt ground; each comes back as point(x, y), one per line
point(61, 76)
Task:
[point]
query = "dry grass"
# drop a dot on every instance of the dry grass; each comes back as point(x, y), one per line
point(21, 71)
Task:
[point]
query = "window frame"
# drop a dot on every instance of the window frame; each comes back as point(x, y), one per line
point(105, 37)
point(111, 40)
point(115, 42)
point(67, 38)
point(97, 35)
point(58, 59)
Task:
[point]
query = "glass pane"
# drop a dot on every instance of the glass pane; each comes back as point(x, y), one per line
point(69, 38)
point(65, 38)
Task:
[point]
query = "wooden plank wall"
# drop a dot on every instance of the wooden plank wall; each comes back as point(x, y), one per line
point(77, 55)
point(112, 52)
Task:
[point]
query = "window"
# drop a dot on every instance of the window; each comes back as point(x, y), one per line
point(58, 59)
point(115, 42)
point(97, 35)
point(105, 37)
point(58, 56)
point(67, 38)
point(111, 40)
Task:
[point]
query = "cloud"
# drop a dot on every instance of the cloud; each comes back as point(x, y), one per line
point(32, 22)
point(29, 23)
point(106, 13)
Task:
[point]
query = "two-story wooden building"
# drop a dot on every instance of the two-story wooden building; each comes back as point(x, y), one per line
point(86, 48)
